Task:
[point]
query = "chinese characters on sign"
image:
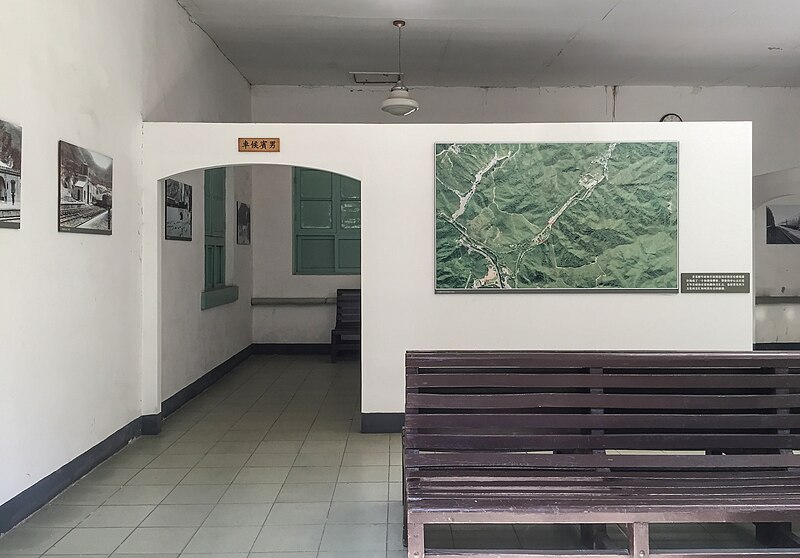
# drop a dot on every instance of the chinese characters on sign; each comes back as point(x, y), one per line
point(259, 144)
point(715, 282)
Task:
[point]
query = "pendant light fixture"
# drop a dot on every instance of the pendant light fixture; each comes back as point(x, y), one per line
point(399, 101)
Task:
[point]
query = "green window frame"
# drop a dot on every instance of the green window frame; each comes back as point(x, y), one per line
point(216, 292)
point(327, 223)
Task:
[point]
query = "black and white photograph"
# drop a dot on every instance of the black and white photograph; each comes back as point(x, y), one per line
point(242, 223)
point(85, 185)
point(178, 210)
point(783, 224)
point(10, 174)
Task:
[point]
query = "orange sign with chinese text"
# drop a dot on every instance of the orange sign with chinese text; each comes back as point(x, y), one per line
point(251, 145)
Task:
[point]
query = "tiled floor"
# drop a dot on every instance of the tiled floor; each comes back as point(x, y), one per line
point(268, 463)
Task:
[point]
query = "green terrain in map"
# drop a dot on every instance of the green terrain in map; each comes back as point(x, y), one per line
point(557, 216)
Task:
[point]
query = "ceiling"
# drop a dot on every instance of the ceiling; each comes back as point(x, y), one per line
point(510, 43)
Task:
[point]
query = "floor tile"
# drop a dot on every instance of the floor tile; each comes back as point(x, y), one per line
point(129, 495)
point(318, 460)
point(364, 459)
point(244, 515)
point(158, 476)
point(30, 540)
point(117, 516)
point(234, 447)
point(283, 555)
point(91, 540)
point(224, 460)
point(271, 460)
point(86, 495)
point(314, 513)
point(250, 494)
point(55, 515)
point(279, 446)
point(281, 538)
point(223, 539)
point(188, 448)
point(211, 475)
point(175, 460)
point(358, 512)
point(261, 475)
point(316, 446)
point(354, 537)
point(312, 474)
point(361, 492)
point(196, 494)
point(311, 492)
point(178, 515)
point(115, 476)
point(374, 473)
point(148, 540)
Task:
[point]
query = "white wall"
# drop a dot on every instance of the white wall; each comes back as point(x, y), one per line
point(195, 340)
point(272, 268)
point(84, 71)
point(398, 243)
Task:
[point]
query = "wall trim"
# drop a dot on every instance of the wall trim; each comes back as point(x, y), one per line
point(179, 399)
point(291, 348)
point(34, 497)
point(382, 423)
point(776, 346)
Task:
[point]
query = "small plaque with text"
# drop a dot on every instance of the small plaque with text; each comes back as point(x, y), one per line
point(715, 282)
point(252, 145)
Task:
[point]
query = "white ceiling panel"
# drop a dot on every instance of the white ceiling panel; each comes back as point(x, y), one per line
point(507, 43)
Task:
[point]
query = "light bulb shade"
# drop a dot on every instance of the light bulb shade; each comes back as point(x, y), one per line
point(399, 102)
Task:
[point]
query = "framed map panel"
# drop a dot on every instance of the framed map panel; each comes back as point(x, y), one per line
point(544, 217)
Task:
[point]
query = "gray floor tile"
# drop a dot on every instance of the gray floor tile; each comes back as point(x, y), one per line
point(91, 540)
point(243, 515)
point(55, 515)
point(130, 495)
point(358, 512)
point(223, 539)
point(283, 555)
point(196, 494)
point(123, 555)
point(308, 513)
point(394, 536)
point(158, 476)
point(262, 475)
point(279, 446)
point(30, 540)
point(115, 476)
point(311, 492)
point(318, 460)
point(151, 540)
point(128, 459)
point(250, 494)
point(178, 515)
point(175, 460)
point(312, 474)
point(354, 537)
point(224, 460)
point(395, 512)
point(317, 446)
point(188, 448)
point(234, 447)
point(271, 460)
point(282, 538)
point(365, 459)
point(211, 475)
point(361, 492)
point(117, 516)
point(374, 473)
point(85, 495)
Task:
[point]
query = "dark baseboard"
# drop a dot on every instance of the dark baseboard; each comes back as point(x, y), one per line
point(291, 348)
point(776, 346)
point(31, 499)
point(175, 402)
point(375, 423)
point(151, 424)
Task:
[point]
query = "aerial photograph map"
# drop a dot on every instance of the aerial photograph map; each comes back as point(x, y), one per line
point(539, 216)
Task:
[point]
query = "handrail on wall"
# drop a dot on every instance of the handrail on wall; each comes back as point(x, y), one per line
point(291, 301)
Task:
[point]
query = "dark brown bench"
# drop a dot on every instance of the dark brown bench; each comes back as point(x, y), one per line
point(546, 438)
point(346, 334)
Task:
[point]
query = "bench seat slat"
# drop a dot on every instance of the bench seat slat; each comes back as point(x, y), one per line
point(599, 400)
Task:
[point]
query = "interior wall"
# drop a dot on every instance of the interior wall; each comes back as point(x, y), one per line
point(195, 340)
point(84, 71)
point(398, 241)
point(272, 268)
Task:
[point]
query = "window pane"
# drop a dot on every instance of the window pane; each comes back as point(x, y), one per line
point(349, 254)
point(350, 214)
point(350, 189)
point(315, 184)
point(316, 215)
point(315, 254)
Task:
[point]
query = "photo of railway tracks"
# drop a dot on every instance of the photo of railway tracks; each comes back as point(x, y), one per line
point(783, 224)
point(85, 190)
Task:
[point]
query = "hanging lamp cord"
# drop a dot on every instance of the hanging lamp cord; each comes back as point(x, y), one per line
point(400, 51)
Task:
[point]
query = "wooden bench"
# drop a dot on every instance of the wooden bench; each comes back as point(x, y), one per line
point(346, 334)
point(548, 438)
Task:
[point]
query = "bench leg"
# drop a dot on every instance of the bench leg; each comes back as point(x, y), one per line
point(416, 540)
point(638, 540)
point(334, 347)
point(777, 535)
point(595, 537)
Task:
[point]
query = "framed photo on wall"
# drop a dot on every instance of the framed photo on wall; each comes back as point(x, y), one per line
point(242, 223)
point(783, 224)
point(10, 174)
point(85, 183)
point(178, 210)
point(550, 217)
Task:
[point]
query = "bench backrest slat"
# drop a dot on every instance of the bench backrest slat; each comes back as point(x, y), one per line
point(348, 307)
point(477, 403)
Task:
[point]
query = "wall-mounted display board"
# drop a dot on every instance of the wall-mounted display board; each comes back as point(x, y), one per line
point(556, 216)
point(10, 174)
point(85, 187)
point(242, 223)
point(178, 210)
point(783, 224)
